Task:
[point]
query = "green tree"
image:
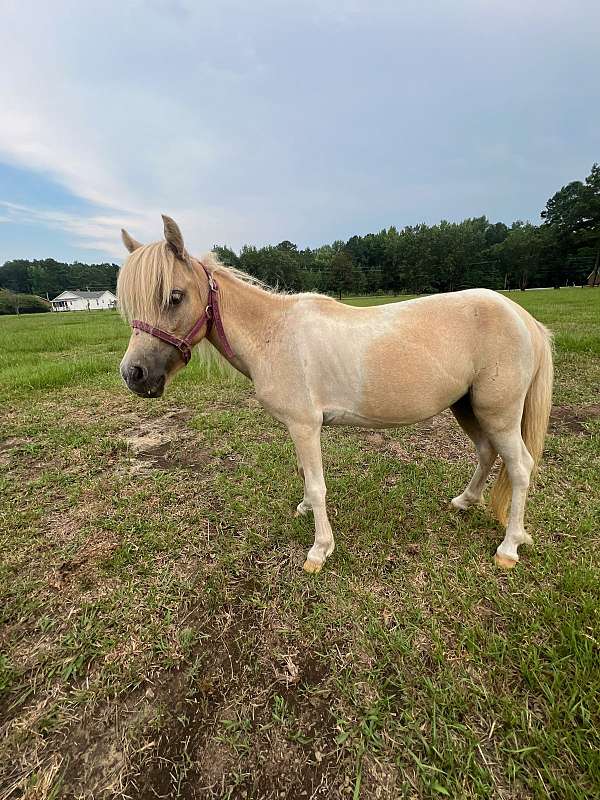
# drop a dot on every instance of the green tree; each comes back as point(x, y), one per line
point(47, 276)
point(520, 254)
point(574, 211)
point(344, 275)
point(226, 255)
point(14, 275)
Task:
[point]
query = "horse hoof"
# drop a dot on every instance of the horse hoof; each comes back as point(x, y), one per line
point(312, 566)
point(504, 562)
point(461, 504)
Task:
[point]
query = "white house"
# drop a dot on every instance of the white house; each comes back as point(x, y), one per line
point(83, 301)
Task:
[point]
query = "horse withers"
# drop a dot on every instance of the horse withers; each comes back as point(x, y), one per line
point(315, 362)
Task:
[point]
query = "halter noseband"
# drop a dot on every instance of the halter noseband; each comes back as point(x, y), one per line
point(211, 315)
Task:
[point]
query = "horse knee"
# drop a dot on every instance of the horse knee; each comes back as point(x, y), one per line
point(520, 470)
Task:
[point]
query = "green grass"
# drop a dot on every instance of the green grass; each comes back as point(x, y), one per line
point(159, 637)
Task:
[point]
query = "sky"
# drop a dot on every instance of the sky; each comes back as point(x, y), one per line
point(307, 120)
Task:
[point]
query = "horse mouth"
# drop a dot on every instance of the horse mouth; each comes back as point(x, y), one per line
point(155, 390)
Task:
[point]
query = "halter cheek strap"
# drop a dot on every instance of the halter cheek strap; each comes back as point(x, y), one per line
point(211, 315)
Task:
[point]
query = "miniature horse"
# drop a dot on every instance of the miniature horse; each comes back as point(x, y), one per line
point(315, 362)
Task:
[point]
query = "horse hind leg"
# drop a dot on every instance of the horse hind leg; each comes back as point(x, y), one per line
point(486, 452)
point(304, 506)
point(519, 465)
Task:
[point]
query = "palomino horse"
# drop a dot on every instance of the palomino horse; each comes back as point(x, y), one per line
point(315, 362)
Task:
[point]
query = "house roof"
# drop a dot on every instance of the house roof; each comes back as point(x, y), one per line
point(83, 295)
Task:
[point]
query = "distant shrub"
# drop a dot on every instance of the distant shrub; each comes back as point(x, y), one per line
point(13, 303)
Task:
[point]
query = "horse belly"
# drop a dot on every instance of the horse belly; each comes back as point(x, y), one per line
point(409, 385)
point(351, 417)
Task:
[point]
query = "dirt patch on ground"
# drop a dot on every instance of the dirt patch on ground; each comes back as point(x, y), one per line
point(573, 420)
point(7, 446)
point(69, 555)
point(168, 455)
point(168, 443)
point(439, 437)
point(83, 566)
point(244, 714)
point(102, 754)
point(242, 718)
point(442, 438)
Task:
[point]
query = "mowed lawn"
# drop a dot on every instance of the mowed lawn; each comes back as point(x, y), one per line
point(159, 637)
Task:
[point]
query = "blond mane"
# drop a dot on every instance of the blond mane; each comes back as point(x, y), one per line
point(212, 264)
point(146, 279)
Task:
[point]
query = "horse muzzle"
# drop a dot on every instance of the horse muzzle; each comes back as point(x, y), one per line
point(143, 382)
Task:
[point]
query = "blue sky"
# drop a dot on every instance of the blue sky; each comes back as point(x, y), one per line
point(310, 121)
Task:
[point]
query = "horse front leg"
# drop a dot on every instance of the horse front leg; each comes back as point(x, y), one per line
point(307, 440)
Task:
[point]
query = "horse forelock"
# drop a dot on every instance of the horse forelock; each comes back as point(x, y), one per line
point(146, 281)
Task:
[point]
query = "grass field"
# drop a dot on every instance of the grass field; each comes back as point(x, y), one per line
point(159, 637)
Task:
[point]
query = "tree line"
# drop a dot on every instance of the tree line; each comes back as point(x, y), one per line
point(48, 278)
point(422, 259)
point(563, 249)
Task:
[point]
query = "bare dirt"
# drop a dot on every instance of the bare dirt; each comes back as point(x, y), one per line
point(439, 437)
point(573, 420)
point(442, 438)
point(168, 443)
point(239, 719)
point(7, 446)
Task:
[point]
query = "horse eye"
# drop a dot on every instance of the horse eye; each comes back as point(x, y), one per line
point(176, 297)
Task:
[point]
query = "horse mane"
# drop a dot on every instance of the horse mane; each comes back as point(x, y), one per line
point(146, 279)
point(212, 264)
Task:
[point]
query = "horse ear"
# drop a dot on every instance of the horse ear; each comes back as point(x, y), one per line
point(173, 236)
point(130, 243)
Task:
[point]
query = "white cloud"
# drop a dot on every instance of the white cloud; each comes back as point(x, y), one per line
point(257, 122)
point(117, 125)
point(97, 232)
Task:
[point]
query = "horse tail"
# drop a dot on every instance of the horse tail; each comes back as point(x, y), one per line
point(534, 422)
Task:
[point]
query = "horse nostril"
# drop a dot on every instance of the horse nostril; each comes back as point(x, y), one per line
point(137, 374)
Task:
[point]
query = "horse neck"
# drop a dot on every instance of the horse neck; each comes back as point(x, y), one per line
point(250, 316)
